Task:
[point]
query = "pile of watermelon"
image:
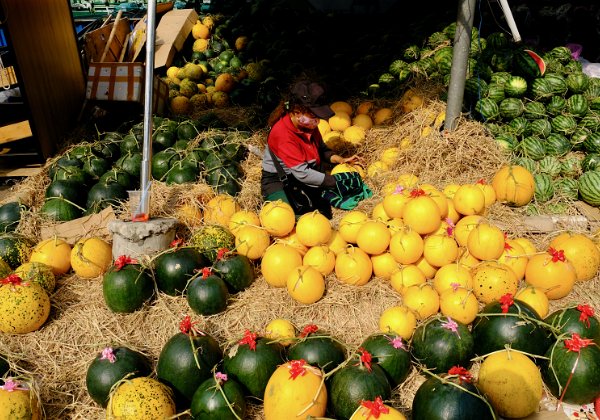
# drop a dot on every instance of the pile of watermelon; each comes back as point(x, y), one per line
point(543, 110)
point(92, 176)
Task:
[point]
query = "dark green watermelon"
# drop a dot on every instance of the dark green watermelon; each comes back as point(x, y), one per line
point(218, 399)
point(207, 294)
point(442, 343)
point(60, 210)
point(354, 383)
point(236, 270)
point(126, 288)
point(451, 397)
point(517, 328)
point(162, 162)
point(318, 349)
point(391, 354)
point(252, 361)
point(109, 367)
point(175, 268)
point(578, 319)
point(95, 166)
point(10, 215)
point(572, 371)
point(186, 361)
point(103, 195)
point(69, 190)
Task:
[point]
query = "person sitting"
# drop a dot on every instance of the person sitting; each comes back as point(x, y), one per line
point(295, 152)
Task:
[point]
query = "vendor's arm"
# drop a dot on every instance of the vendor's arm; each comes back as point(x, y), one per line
point(309, 176)
point(329, 155)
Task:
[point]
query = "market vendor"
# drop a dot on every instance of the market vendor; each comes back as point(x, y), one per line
point(297, 145)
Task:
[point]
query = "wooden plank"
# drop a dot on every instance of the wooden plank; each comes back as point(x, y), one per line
point(20, 172)
point(97, 40)
point(42, 36)
point(16, 131)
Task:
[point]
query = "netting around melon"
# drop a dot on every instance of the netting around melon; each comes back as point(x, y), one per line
point(80, 325)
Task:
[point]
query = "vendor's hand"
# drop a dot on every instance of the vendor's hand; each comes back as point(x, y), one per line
point(354, 159)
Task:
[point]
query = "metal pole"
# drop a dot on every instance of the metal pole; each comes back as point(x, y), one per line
point(460, 57)
point(148, 90)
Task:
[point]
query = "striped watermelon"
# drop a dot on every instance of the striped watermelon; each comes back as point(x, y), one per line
point(494, 129)
point(589, 187)
point(475, 88)
point(591, 121)
point(593, 90)
point(553, 65)
point(567, 188)
point(557, 83)
point(562, 54)
point(591, 162)
point(549, 165)
point(557, 145)
point(481, 70)
point(533, 147)
point(526, 162)
point(579, 136)
point(525, 65)
point(540, 127)
point(397, 66)
point(500, 77)
point(556, 105)
point(436, 39)
point(477, 46)
point(515, 87)
point(495, 91)
point(577, 82)
point(487, 109)
point(570, 167)
point(497, 40)
point(564, 124)
point(577, 105)
point(520, 126)
point(443, 59)
point(501, 60)
point(511, 108)
point(541, 90)
point(411, 53)
point(534, 110)
point(544, 189)
point(595, 104)
point(507, 141)
point(592, 143)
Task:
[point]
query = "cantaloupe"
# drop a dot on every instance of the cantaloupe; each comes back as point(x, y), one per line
point(340, 121)
point(382, 116)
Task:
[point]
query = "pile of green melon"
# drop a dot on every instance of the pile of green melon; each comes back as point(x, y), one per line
point(544, 111)
point(94, 175)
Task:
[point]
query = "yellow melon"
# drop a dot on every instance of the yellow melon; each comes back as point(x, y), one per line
point(363, 121)
point(382, 116)
point(340, 121)
point(341, 106)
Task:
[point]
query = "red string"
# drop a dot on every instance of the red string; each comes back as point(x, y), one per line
point(206, 272)
point(557, 255)
point(186, 326)
point(506, 301)
point(586, 313)
point(250, 339)
point(417, 193)
point(297, 368)
point(123, 260)
point(576, 343)
point(176, 243)
point(463, 374)
point(309, 329)
point(12, 279)
point(376, 408)
point(365, 358)
point(221, 253)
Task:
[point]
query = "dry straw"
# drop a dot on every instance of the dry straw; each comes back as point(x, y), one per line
point(80, 325)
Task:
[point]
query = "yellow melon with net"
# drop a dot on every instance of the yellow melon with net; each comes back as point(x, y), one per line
point(377, 168)
point(354, 135)
point(363, 121)
point(340, 121)
point(390, 155)
point(91, 257)
point(200, 31)
point(382, 116)
point(172, 72)
point(341, 106)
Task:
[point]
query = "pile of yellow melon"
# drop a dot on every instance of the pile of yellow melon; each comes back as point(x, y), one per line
point(436, 247)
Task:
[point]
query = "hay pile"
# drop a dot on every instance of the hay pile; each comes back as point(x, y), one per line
point(80, 325)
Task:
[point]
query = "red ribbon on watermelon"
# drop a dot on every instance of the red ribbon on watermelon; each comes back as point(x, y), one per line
point(576, 343)
point(13, 280)
point(506, 301)
point(220, 377)
point(123, 260)
point(221, 253)
point(365, 358)
point(108, 354)
point(397, 343)
point(309, 329)
point(297, 368)
point(186, 326)
point(463, 374)
point(451, 325)
point(376, 407)
point(176, 243)
point(250, 339)
point(586, 312)
point(557, 255)
point(417, 193)
point(206, 272)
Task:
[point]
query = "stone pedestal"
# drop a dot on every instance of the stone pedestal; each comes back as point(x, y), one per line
point(136, 239)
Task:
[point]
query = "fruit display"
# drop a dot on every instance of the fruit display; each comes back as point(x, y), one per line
point(432, 298)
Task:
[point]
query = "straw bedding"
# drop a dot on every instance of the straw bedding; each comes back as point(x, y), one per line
point(80, 324)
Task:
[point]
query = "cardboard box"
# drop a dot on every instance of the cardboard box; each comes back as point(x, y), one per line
point(124, 82)
point(172, 31)
point(87, 226)
point(95, 41)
